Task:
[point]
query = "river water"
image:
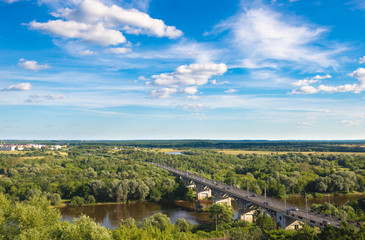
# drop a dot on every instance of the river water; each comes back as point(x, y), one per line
point(109, 215)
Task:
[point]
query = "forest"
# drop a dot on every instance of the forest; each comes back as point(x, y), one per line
point(86, 174)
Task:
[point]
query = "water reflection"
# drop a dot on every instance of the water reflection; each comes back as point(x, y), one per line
point(110, 215)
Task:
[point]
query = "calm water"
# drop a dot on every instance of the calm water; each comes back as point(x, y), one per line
point(110, 215)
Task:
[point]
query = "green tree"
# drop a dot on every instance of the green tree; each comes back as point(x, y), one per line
point(159, 220)
point(265, 222)
point(221, 213)
point(82, 228)
point(182, 225)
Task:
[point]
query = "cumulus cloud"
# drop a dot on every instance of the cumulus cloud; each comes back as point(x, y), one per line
point(265, 35)
point(305, 90)
point(86, 52)
point(131, 21)
point(120, 50)
point(19, 87)
point(32, 65)
point(362, 60)
point(318, 77)
point(93, 33)
point(356, 87)
point(193, 74)
point(163, 93)
point(189, 90)
point(304, 82)
point(231, 91)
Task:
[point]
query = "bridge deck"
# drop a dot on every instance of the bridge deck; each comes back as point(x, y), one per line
point(313, 219)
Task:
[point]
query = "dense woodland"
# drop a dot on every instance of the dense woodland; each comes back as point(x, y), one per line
point(85, 174)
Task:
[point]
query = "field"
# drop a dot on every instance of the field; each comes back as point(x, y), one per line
point(236, 152)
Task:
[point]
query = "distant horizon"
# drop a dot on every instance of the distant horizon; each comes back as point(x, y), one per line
point(262, 140)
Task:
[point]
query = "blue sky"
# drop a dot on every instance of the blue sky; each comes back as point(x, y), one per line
point(192, 69)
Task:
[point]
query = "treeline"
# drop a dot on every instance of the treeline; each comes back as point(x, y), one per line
point(254, 145)
point(87, 178)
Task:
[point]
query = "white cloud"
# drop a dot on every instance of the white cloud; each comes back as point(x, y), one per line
point(264, 36)
point(193, 74)
point(32, 65)
point(318, 77)
point(19, 87)
point(231, 90)
point(86, 52)
point(350, 123)
point(304, 82)
point(305, 90)
point(131, 21)
point(120, 50)
point(189, 90)
point(93, 33)
point(163, 93)
point(214, 82)
point(356, 87)
point(362, 60)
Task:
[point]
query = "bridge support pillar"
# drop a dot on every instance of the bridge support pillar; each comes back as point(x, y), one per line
point(202, 192)
point(246, 210)
point(221, 197)
point(226, 200)
point(286, 222)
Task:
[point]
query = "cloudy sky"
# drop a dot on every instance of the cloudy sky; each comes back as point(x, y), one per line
point(182, 69)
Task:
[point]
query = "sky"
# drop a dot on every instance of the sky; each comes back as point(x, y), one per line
point(182, 69)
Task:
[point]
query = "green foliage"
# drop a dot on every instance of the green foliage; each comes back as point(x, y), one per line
point(265, 222)
point(77, 201)
point(82, 228)
point(221, 214)
point(182, 225)
point(158, 220)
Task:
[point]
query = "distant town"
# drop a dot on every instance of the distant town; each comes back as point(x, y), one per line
point(21, 147)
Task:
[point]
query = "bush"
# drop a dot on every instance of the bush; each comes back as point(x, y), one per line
point(77, 201)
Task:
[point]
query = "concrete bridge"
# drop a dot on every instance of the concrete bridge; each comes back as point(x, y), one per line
point(283, 214)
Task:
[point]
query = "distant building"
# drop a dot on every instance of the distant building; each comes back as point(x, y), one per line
point(7, 147)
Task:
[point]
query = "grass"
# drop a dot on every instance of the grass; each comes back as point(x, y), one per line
point(236, 152)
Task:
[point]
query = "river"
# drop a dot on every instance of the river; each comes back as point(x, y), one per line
point(109, 215)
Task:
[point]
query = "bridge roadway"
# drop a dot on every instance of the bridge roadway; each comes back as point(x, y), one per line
point(314, 219)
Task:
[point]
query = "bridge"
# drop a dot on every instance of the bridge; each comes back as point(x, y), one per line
point(285, 215)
